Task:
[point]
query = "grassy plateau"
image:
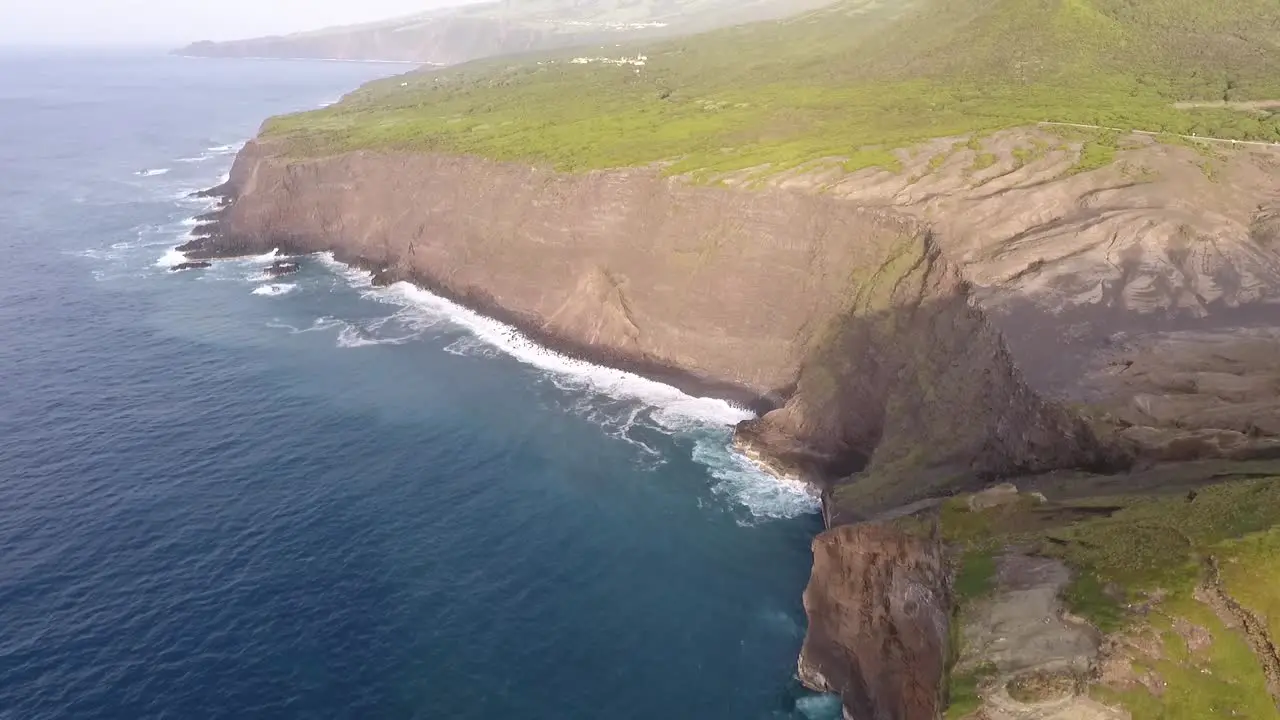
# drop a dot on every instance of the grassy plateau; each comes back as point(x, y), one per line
point(854, 80)
point(1139, 566)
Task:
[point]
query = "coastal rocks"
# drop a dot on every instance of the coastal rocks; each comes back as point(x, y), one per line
point(193, 265)
point(280, 268)
point(879, 611)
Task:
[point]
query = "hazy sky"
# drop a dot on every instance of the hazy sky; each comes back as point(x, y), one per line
point(43, 22)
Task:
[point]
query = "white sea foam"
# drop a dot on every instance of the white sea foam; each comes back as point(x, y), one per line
point(471, 346)
point(272, 256)
point(320, 324)
point(354, 276)
point(354, 336)
point(172, 258)
point(275, 289)
point(153, 172)
point(819, 707)
point(765, 496)
point(630, 401)
point(607, 381)
point(189, 198)
point(213, 152)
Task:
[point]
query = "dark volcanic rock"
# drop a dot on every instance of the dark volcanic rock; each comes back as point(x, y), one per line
point(195, 265)
point(280, 268)
point(879, 604)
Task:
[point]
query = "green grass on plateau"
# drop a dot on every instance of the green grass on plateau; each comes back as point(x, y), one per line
point(854, 80)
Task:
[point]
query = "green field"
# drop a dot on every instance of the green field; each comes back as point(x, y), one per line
point(1136, 567)
point(855, 80)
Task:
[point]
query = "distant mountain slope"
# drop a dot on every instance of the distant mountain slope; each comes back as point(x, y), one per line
point(454, 35)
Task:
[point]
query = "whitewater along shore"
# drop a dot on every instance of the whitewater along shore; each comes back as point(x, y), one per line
point(905, 335)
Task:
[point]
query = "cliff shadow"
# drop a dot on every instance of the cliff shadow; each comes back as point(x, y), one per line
point(918, 397)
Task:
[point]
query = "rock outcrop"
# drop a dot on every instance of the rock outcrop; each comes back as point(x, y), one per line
point(280, 268)
point(879, 616)
point(197, 265)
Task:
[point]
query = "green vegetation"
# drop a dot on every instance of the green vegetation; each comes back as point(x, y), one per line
point(1121, 548)
point(1221, 679)
point(1158, 543)
point(831, 83)
point(1204, 149)
point(962, 691)
point(976, 576)
point(1097, 153)
point(1250, 573)
point(982, 161)
point(1128, 552)
point(873, 157)
point(1023, 155)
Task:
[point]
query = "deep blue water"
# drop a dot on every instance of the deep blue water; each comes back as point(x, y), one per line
point(226, 498)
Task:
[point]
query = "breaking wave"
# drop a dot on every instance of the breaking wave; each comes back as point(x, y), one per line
point(625, 405)
point(275, 289)
point(819, 707)
point(172, 258)
point(217, 151)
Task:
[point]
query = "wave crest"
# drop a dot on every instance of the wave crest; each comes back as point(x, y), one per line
point(626, 406)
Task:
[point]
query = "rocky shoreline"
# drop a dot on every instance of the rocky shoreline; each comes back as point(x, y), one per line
point(870, 338)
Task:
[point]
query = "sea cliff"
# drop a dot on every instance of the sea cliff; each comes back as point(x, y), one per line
point(894, 352)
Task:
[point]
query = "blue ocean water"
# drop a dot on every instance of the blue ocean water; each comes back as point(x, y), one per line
point(228, 497)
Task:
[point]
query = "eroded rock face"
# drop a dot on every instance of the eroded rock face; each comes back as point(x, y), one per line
point(915, 380)
point(1187, 394)
point(879, 611)
point(712, 289)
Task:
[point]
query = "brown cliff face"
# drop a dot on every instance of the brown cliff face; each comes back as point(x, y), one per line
point(914, 387)
point(848, 316)
point(879, 615)
point(627, 267)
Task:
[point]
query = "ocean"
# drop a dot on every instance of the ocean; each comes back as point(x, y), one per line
point(227, 496)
